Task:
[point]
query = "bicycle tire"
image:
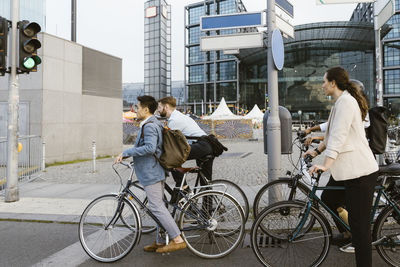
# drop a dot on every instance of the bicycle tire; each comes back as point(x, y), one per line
point(262, 198)
point(117, 241)
point(235, 191)
point(388, 224)
point(275, 248)
point(212, 234)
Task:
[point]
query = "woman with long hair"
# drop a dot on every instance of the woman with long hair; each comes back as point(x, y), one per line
point(349, 157)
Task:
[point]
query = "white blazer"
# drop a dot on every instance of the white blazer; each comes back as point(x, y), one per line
point(346, 141)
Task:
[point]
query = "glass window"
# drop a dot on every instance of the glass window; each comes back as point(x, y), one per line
point(392, 84)
point(391, 54)
point(226, 90)
point(226, 70)
point(196, 73)
point(194, 35)
point(195, 56)
point(195, 13)
point(195, 92)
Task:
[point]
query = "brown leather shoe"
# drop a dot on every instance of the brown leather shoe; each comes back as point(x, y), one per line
point(172, 246)
point(153, 247)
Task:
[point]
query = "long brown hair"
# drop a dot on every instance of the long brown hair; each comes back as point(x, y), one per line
point(341, 77)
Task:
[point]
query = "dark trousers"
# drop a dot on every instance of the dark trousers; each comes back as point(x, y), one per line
point(359, 195)
point(198, 151)
point(334, 199)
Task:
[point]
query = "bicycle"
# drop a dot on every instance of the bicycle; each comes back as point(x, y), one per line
point(287, 188)
point(283, 235)
point(231, 188)
point(211, 222)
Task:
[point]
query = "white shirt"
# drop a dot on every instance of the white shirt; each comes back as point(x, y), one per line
point(324, 125)
point(178, 121)
point(144, 121)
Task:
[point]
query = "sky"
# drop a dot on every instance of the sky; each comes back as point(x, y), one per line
point(117, 27)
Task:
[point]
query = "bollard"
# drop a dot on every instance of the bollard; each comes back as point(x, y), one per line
point(43, 155)
point(94, 155)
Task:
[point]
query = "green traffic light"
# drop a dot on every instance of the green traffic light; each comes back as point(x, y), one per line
point(29, 63)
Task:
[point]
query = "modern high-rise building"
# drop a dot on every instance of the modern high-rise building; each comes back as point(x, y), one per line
point(157, 48)
point(209, 76)
point(242, 78)
point(390, 57)
point(32, 10)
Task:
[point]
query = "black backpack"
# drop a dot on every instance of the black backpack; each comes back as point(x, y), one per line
point(377, 130)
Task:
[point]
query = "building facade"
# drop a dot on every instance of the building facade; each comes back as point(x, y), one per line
point(242, 79)
point(157, 48)
point(390, 57)
point(32, 10)
point(130, 92)
point(209, 76)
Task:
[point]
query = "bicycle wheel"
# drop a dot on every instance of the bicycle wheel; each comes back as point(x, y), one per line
point(212, 224)
point(281, 188)
point(235, 191)
point(115, 242)
point(387, 232)
point(148, 224)
point(274, 247)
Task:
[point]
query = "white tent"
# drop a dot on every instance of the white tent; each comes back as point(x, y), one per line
point(222, 113)
point(255, 114)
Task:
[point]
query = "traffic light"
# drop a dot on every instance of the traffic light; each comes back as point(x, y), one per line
point(28, 44)
point(3, 45)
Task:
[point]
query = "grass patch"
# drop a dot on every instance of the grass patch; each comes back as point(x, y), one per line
point(58, 163)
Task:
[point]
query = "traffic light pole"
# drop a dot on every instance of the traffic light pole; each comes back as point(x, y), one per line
point(273, 124)
point(12, 191)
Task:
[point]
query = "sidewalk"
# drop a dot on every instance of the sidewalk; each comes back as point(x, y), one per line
point(62, 192)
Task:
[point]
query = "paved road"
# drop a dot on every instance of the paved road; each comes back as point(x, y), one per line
point(54, 244)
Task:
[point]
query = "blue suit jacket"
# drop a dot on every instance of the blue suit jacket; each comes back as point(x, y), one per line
point(148, 169)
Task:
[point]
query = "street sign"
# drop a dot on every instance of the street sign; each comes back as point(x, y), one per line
point(383, 11)
point(323, 2)
point(231, 21)
point(278, 50)
point(284, 26)
point(232, 41)
point(286, 6)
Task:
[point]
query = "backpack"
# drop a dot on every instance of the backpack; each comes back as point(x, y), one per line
point(377, 131)
point(175, 149)
point(216, 145)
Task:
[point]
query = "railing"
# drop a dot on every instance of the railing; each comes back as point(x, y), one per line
point(29, 159)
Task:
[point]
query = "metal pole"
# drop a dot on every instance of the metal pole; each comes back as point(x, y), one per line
point(43, 155)
point(184, 60)
point(379, 72)
point(73, 20)
point(12, 191)
point(273, 124)
point(94, 155)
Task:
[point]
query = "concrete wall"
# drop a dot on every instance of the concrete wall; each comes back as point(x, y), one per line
point(67, 120)
point(71, 120)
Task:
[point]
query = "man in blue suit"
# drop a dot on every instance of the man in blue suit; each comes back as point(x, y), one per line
point(151, 174)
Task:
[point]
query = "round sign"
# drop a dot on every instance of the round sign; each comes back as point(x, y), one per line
point(278, 50)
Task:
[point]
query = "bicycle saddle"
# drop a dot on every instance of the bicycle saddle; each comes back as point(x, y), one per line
point(185, 170)
point(391, 169)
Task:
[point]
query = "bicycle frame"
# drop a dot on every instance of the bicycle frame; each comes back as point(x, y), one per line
point(127, 192)
point(313, 198)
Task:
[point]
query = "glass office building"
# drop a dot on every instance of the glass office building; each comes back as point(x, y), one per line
point(209, 76)
point(157, 48)
point(316, 47)
point(390, 58)
point(242, 79)
point(32, 10)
